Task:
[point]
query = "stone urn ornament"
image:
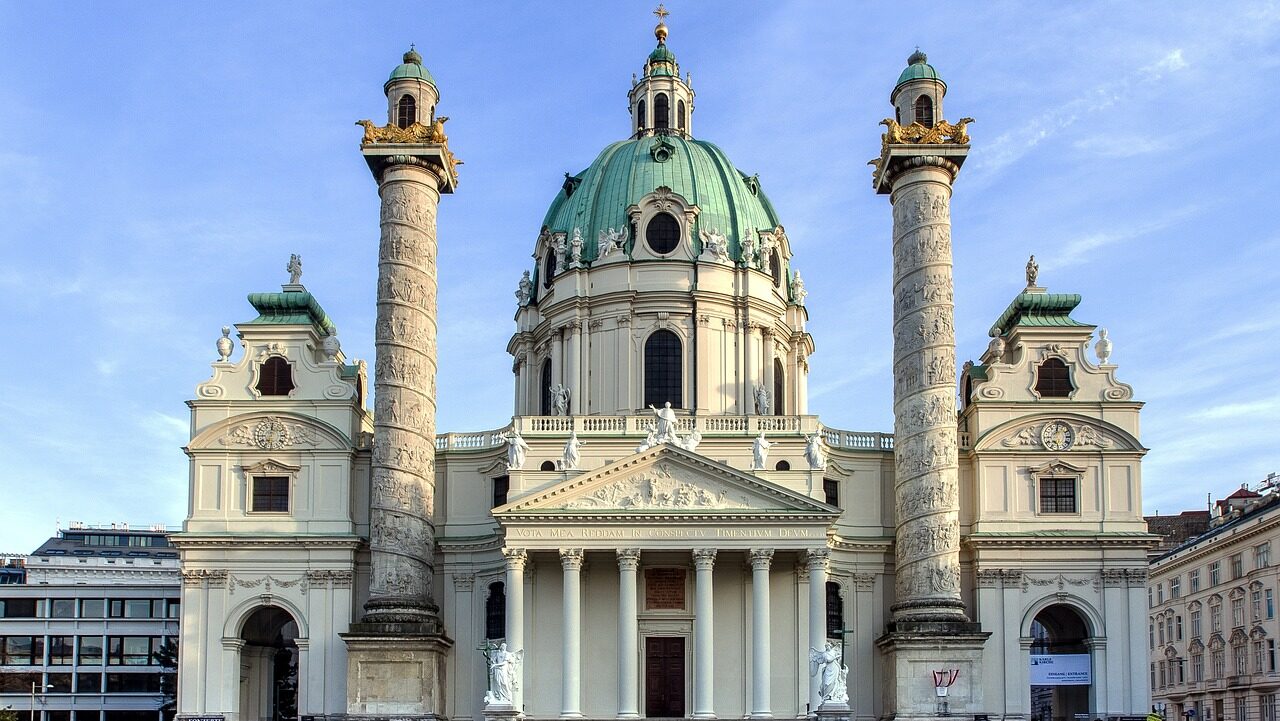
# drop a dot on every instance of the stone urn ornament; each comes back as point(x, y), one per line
point(1103, 347)
point(331, 347)
point(225, 345)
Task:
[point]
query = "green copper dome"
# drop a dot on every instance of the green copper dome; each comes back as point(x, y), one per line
point(728, 200)
point(918, 68)
point(661, 62)
point(411, 68)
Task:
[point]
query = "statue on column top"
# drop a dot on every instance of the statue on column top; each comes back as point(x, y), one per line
point(295, 269)
point(524, 293)
point(1033, 272)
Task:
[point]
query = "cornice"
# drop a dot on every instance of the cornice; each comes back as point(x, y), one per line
point(223, 540)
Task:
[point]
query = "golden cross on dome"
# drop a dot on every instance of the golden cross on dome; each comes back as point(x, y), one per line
point(662, 13)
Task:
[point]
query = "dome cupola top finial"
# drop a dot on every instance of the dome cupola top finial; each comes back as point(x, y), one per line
point(918, 58)
point(660, 32)
point(412, 57)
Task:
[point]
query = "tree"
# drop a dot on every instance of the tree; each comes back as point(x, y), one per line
point(166, 657)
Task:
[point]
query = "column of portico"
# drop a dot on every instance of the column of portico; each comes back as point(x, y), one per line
point(522, 384)
point(628, 634)
point(750, 364)
point(557, 358)
point(817, 562)
point(704, 560)
point(514, 589)
point(571, 674)
point(766, 340)
point(573, 366)
point(761, 703)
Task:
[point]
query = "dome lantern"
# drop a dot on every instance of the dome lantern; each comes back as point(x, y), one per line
point(917, 97)
point(411, 92)
point(661, 103)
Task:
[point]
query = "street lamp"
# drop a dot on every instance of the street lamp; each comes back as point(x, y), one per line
point(44, 688)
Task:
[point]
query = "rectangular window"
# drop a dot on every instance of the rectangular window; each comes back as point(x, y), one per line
point(1159, 593)
point(58, 682)
point(1151, 636)
point(1215, 619)
point(131, 650)
point(1057, 495)
point(1259, 657)
point(1262, 555)
point(1255, 603)
point(1237, 566)
point(17, 608)
point(1197, 667)
point(133, 682)
point(1239, 660)
point(1267, 707)
point(1215, 573)
point(89, 682)
point(90, 651)
point(62, 608)
point(1163, 678)
point(1193, 580)
point(501, 489)
point(270, 494)
point(62, 650)
point(21, 650)
point(1269, 602)
point(1271, 655)
point(831, 492)
point(1195, 623)
point(1175, 587)
point(173, 608)
point(93, 608)
point(1178, 627)
point(15, 683)
point(1237, 612)
point(1160, 628)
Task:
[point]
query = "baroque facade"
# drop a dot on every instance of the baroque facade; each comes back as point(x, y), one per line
point(663, 529)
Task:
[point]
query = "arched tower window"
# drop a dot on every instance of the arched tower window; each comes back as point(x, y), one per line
point(663, 370)
point(924, 111)
point(681, 120)
point(549, 268)
point(835, 610)
point(663, 233)
point(661, 110)
point(1053, 379)
point(495, 611)
point(775, 268)
point(406, 111)
point(275, 377)
point(640, 115)
point(779, 387)
point(544, 387)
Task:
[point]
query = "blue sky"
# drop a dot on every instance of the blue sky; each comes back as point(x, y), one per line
point(158, 161)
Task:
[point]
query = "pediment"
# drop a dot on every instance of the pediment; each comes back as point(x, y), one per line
point(259, 431)
point(663, 481)
point(1057, 433)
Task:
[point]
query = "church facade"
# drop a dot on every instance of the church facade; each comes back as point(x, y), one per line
point(663, 529)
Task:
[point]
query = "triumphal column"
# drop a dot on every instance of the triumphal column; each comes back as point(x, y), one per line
point(396, 652)
point(920, 157)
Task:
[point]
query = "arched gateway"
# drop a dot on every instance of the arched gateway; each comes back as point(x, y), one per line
point(269, 666)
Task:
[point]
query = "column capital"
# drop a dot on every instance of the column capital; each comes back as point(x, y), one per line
point(464, 583)
point(571, 559)
point(761, 558)
point(864, 581)
point(515, 558)
point(628, 559)
point(816, 558)
point(704, 558)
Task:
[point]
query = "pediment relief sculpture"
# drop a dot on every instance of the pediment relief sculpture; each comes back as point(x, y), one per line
point(1060, 435)
point(659, 487)
point(269, 432)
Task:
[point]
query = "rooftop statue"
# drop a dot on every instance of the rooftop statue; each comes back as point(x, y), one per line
point(666, 429)
point(1033, 272)
point(295, 269)
point(524, 293)
point(760, 452)
point(517, 449)
point(571, 456)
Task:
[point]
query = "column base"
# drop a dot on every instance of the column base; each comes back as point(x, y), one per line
point(501, 712)
point(396, 670)
point(760, 714)
point(833, 712)
point(913, 650)
point(704, 714)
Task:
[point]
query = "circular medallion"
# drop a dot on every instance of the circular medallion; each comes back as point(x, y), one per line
point(1057, 436)
point(271, 434)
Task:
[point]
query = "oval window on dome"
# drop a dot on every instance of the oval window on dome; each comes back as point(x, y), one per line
point(663, 233)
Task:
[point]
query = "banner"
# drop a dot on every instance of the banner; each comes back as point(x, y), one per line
point(1061, 669)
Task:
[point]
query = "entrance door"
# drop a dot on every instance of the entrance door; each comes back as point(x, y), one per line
point(663, 677)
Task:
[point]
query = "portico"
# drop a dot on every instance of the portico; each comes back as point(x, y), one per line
point(687, 538)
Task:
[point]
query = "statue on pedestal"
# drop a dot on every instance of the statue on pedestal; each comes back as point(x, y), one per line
point(666, 430)
point(759, 452)
point(560, 399)
point(516, 450)
point(832, 674)
point(524, 293)
point(504, 675)
point(571, 456)
point(295, 269)
point(814, 452)
point(762, 399)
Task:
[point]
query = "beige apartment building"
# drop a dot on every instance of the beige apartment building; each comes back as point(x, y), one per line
point(1212, 628)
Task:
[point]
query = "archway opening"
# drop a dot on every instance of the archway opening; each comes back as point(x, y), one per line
point(269, 666)
point(1061, 665)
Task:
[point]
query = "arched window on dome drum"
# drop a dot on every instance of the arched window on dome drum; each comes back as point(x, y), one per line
point(406, 111)
point(681, 120)
point(662, 233)
point(779, 387)
point(663, 370)
point(640, 116)
point(775, 268)
point(924, 111)
point(495, 611)
point(544, 389)
point(661, 109)
point(275, 377)
point(1053, 379)
point(549, 268)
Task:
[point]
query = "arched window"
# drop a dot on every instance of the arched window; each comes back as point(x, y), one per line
point(663, 233)
point(775, 268)
point(835, 610)
point(782, 466)
point(779, 387)
point(544, 388)
point(663, 370)
point(661, 109)
point(640, 115)
point(681, 121)
point(275, 377)
point(1053, 379)
point(924, 111)
point(549, 269)
point(547, 466)
point(406, 111)
point(495, 611)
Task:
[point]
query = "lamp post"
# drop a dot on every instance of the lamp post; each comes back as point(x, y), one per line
point(44, 688)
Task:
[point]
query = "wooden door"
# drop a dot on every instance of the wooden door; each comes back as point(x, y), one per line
point(663, 677)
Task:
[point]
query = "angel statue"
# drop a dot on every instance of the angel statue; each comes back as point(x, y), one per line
point(760, 452)
point(814, 452)
point(504, 675)
point(832, 674)
point(295, 269)
point(560, 399)
point(611, 240)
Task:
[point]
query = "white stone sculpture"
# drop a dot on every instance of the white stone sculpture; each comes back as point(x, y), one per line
point(610, 240)
point(225, 345)
point(569, 459)
point(560, 399)
point(1103, 347)
point(715, 243)
point(995, 350)
point(517, 449)
point(524, 293)
point(798, 292)
point(504, 675)
point(666, 429)
point(749, 249)
point(689, 442)
point(832, 674)
point(561, 249)
point(767, 245)
point(650, 439)
point(760, 452)
point(295, 269)
point(1033, 272)
point(575, 249)
point(331, 347)
point(761, 395)
point(815, 451)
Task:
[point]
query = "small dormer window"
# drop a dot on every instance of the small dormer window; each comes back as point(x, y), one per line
point(275, 377)
point(924, 111)
point(406, 111)
point(640, 115)
point(1053, 379)
point(681, 121)
point(661, 111)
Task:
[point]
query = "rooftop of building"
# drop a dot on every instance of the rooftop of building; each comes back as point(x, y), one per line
point(1242, 507)
point(115, 541)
